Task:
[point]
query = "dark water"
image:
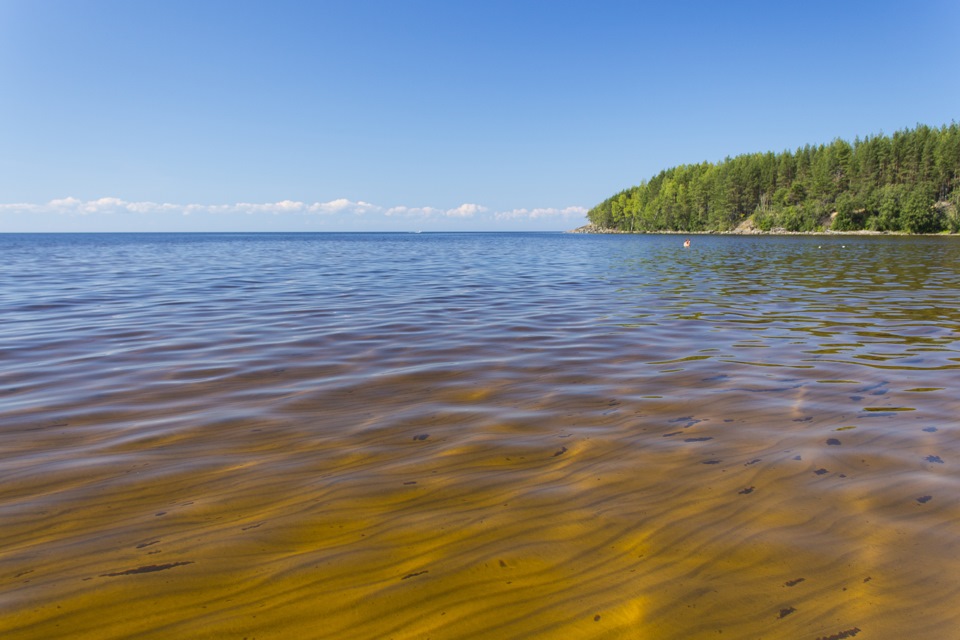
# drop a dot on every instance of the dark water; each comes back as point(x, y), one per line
point(479, 435)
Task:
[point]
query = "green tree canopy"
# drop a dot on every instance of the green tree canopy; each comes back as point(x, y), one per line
point(906, 182)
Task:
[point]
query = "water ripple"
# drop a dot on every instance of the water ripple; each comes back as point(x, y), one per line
point(478, 435)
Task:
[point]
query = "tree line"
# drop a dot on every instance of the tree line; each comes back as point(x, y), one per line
point(907, 182)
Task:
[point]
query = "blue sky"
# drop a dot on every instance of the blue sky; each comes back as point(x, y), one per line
point(370, 115)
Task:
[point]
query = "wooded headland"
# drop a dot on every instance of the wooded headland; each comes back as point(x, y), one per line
point(908, 182)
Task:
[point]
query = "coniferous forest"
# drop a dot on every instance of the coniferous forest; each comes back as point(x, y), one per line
point(908, 182)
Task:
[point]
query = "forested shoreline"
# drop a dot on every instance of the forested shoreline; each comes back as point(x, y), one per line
point(908, 182)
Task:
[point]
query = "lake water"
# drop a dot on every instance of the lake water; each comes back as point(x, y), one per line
point(479, 436)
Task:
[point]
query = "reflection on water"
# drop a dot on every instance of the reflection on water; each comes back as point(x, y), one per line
point(479, 435)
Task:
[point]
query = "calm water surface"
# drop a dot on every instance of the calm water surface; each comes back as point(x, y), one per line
point(479, 436)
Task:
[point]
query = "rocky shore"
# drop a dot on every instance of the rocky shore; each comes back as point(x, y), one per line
point(747, 228)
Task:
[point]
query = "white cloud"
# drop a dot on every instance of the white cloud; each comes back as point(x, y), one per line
point(547, 213)
point(341, 212)
point(18, 207)
point(413, 212)
point(72, 205)
point(342, 205)
point(274, 208)
point(103, 204)
point(65, 203)
point(465, 211)
point(424, 213)
point(151, 207)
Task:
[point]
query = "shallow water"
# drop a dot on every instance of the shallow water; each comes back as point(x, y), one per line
point(479, 435)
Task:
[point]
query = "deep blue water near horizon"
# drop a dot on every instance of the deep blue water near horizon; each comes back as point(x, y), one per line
point(446, 281)
point(479, 434)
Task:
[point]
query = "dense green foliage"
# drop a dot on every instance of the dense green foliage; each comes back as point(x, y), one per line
point(908, 182)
